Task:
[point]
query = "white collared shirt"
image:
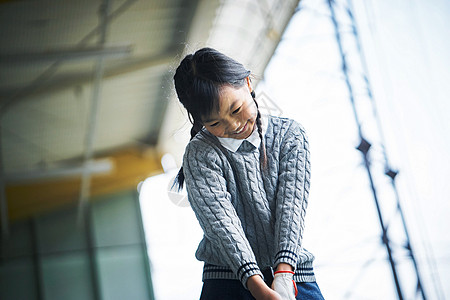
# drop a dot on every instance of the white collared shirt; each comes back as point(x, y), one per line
point(234, 144)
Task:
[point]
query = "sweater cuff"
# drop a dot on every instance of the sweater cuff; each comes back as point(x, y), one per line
point(247, 270)
point(288, 256)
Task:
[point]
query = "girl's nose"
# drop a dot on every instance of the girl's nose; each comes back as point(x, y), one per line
point(234, 125)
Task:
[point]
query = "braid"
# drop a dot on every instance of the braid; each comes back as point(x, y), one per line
point(179, 180)
point(259, 126)
point(196, 127)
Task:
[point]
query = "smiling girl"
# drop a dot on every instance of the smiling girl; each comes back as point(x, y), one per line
point(248, 184)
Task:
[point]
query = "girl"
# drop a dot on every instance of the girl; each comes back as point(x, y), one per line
point(247, 183)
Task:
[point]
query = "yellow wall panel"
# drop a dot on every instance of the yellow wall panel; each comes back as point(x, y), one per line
point(130, 167)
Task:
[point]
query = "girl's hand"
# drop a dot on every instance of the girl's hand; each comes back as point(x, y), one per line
point(284, 285)
point(271, 295)
point(259, 289)
point(283, 282)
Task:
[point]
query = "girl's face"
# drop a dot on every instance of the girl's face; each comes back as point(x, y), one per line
point(237, 113)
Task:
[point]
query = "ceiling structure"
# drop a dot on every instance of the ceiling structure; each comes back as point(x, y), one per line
point(86, 96)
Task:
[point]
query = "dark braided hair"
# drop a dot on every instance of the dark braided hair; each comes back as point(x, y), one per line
point(198, 80)
point(259, 126)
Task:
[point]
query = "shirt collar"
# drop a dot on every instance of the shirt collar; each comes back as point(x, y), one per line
point(234, 144)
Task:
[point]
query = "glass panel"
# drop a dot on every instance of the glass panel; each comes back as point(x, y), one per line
point(19, 241)
point(122, 273)
point(17, 280)
point(115, 220)
point(60, 231)
point(67, 277)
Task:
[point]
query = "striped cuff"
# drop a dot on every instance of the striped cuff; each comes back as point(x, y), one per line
point(304, 273)
point(286, 256)
point(247, 270)
point(217, 272)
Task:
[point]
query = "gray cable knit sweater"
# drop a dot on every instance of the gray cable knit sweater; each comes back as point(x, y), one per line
point(252, 221)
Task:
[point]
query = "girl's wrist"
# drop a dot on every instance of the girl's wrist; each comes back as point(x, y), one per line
point(284, 267)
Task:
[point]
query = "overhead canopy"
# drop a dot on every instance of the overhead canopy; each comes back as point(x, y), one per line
point(59, 57)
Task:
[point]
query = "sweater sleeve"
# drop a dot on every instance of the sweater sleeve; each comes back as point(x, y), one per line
point(211, 203)
point(292, 195)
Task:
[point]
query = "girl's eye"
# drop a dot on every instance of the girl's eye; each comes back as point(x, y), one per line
point(214, 124)
point(236, 110)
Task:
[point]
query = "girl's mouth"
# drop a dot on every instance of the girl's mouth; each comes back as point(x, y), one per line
point(241, 130)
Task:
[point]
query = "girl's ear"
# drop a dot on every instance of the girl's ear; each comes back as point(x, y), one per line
point(249, 84)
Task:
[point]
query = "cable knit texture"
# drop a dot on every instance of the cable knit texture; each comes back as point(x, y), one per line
point(251, 220)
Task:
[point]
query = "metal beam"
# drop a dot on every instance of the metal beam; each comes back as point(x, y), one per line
point(364, 149)
point(389, 172)
point(70, 54)
point(84, 212)
point(37, 264)
point(144, 250)
point(103, 166)
point(64, 82)
point(91, 132)
point(3, 201)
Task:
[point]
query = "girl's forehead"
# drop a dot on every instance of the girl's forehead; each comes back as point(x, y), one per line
point(215, 111)
point(228, 95)
point(227, 98)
